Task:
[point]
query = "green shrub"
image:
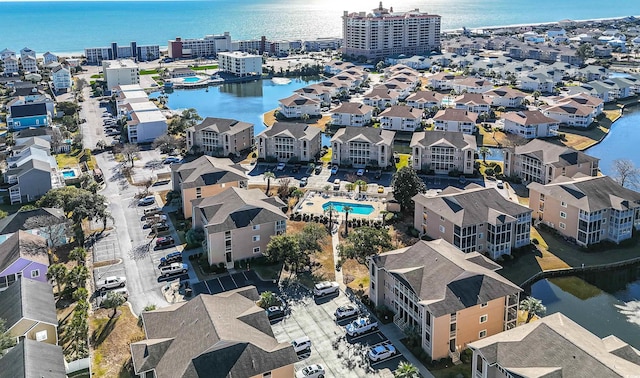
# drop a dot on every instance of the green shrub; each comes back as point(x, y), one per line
point(535, 241)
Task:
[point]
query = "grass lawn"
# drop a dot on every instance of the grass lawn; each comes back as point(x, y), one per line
point(583, 139)
point(10, 209)
point(404, 161)
point(97, 76)
point(269, 118)
point(110, 339)
point(356, 276)
point(326, 269)
point(327, 157)
point(203, 68)
point(148, 72)
point(462, 370)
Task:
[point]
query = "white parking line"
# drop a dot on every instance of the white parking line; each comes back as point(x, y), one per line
point(205, 284)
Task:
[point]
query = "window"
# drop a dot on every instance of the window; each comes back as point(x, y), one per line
point(256, 238)
point(256, 227)
point(563, 226)
point(41, 335)
point(266, 375)
point(483, 318)
point(480, 235)
point(256, 249)
point(442, 229)
point(563, 204)
point(563, 215)
point(441, 218)
point(482, 334)
point(483, 305)
point(35, 273)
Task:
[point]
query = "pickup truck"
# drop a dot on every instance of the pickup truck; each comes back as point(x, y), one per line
point(111, 283)
point(360, 326)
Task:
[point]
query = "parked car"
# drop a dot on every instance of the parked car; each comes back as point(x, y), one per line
point(318, 169)
point(296, 168)
point(311, 371)
point(336, 184)
point(334, 170)
point(173, 268)
point(360, 172)
point(280, 167)
point(146, 201)
point(113, 133)
point(380, 189)
point(275, 312)
point(500, 184)
point(111, 282)
point(154, 225)
point(303, 182)
point(156, 218)
point(301, 344)
point(171, 160)
point(171, 258)
point(378, 174)
point(346, 311)
point(152, 211)
point(382, 352)
point(360, 326)
point(160, 227)
point(325, 288)
point(164, 242)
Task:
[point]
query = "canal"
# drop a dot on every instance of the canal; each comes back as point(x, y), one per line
point(605, 303)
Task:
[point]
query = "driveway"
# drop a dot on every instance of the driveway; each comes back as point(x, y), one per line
point(233, 281)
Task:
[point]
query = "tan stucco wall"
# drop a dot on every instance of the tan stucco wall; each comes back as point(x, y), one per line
point(207, 191)
point(282, 372)
point(440, 337)
point(21, 327)
point(242, 243)
point(433, 224)
point(469, 324)
point(29, 328)
point(552, 209)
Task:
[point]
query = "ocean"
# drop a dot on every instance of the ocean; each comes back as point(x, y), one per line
point(71, 26)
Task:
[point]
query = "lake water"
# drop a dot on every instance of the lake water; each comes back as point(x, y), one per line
point(75, 25)
point(606, 303)
point(623, 142)
point(242, 101)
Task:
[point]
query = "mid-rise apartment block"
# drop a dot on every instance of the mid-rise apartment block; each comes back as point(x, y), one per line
point(140, 53)
point(474, 219)
point(383, 32)
point(289, 142)
point(586, 209)
point(220, 136)
point(240, 63)
point(120, 72)
point(209, 46)
point(442, 152)
point(362, 146)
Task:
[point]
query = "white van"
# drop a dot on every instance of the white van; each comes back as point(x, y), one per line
point(173, 268)
point(301, 344)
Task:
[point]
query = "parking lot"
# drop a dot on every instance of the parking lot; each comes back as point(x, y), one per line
point(233, 281)
point(339, 354)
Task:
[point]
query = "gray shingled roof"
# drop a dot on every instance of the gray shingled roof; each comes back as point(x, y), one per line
point(554, 344)
point(553, 154)
point(298, 131)
point(370, 134)
point(445, 279)
point(236, 208)
point(17, 221)
point(528, 117)
point(590, 193)
point(29, 299)
point(353, 108)
point(33, 359)
point(473, 205)
point(452, 138)
point(222, 335)
point(207, 170)
point(401, 111)
point(221, 125)
point(23, 244)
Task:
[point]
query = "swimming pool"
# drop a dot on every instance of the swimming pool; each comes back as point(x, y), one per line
point(357, 208)
point(191, 79)
point(69, 173)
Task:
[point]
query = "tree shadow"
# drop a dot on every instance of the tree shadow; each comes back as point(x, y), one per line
point(140, 251)
point(98, 336)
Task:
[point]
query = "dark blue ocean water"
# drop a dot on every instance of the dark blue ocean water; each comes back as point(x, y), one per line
point(73, 25)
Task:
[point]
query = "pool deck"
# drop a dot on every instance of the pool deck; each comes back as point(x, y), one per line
point(313, 201)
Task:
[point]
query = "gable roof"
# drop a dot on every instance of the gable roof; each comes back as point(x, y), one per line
point(207, 170)
point(29, 299)
point(33, 359)
point(555, 343)
point(401, 111)
point(370, 134)
point(552, 154)
point(456, 115)
point(438, 138)
point(472, 206)
point(590, 193)
point(298, 100)
point(221, 125)
point(238, 208)
point(23, 245)
point(298, 131)
point(222, 335)
point(471, 98)
point(445, 279)
point(30, 109)
point(425, 96)
point(17, 221)
point(528, 117)
point(353, 108)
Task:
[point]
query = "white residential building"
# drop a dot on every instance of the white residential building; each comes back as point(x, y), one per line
point(362, 147)
point(240, 63)
point(459, 120)
point(529, 124)
point(570, 114)
point(25, 52)
point(296, 106)
point(400, 118)
point(209, 46)
point(290, 142)
point(120, 72)
point(443, 152)
point(11, 65)
point(145, 122)
point(61, 77)
point(29, 64)
point(4, 54)
point(351, 114)
point(49, 58)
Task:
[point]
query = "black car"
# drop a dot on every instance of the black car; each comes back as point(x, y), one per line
point(164, 242)
point(275, 312)
point(171, 258)
point(296, 168)
point(160, 227)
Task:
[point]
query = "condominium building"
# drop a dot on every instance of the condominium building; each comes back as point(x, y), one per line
point(240, 63)
point(362, 146)
point(209, 46)
point(449, 297)
point(529, 124)
point(383, 32)
point(29, 64)
point(120, 72)
point(352, 114)
point(587, 209)
point(220, 137)
point(140, 53)
point(10, 65)
point(442, 152)
point(322, 44)
point(540, 161)
point(400, 118)
point(238, 224)
point(61, 77)
point(289, 142)
point(459, 120)
point(474, 219)
point(145, 122)
point(296, 106)
point(554, 346)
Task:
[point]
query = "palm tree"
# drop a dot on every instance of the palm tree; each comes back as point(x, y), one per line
point(78, 275)
point(346, 210)
point(268, 299)
point(79, 254)
point(533, 307)
point(330, 209)
point(406, 370)
point(114, 300)
point(484, 151)
point(268, 176)
point(58, 273)
point(362, 185)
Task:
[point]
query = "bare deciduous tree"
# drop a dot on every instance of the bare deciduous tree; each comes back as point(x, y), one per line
point(626, 173)
point(130, 152)
point(55, 230)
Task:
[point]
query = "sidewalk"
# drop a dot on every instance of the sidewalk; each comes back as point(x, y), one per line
point(394, 335)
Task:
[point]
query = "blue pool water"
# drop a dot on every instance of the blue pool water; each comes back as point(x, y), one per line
point(191, 79)
point(357, 208)
point(69, 174)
